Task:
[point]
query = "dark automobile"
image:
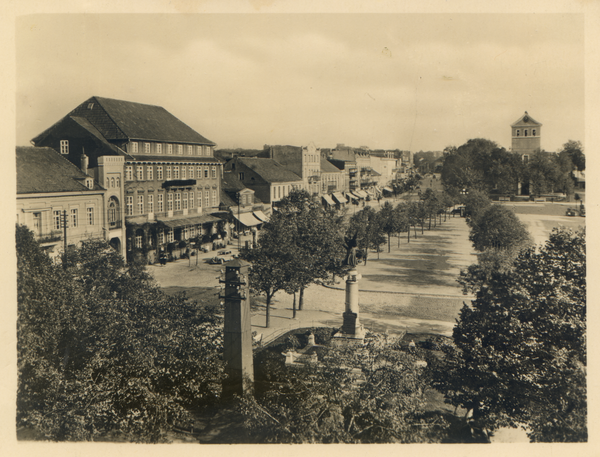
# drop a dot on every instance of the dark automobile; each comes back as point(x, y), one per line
point(216, 261)
point(571, 212)
point(224, 252)
point(460, 210)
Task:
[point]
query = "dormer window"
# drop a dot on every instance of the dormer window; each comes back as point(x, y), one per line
point(89, 183)
point(169, 149)
point(190, 150)
point(146, 148)
point(159, 148)
point(180, 149)
point(64, 146)
point(90, 105)
point(134, 147)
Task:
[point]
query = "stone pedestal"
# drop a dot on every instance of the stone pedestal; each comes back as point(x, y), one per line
point(352, 331)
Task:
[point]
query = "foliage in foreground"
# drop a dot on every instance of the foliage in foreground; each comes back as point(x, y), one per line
point(368, 394)
point(102, 351)
point(519, 356)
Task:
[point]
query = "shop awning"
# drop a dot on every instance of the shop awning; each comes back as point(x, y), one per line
point(352, 196)
point(388, 189)
point(247, 219)
point(329, 200)
point(188, 221)
point(261, 216)
point(339, 197)
point(361, 193)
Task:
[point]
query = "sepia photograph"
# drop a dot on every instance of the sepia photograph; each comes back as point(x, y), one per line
point(261, 226)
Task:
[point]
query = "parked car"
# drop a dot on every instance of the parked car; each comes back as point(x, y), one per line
point(571, 212)
point(224, 252)
point(216, 261)
point(460, 210)
point(582, 212)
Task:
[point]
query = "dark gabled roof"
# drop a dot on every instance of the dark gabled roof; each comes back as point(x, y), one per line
point(227, 199)
point(328, 167)
point(112, 149)
point(122, 120)
point(231, 182)
point(41, 170)
point(269, 170)
point(526, 120)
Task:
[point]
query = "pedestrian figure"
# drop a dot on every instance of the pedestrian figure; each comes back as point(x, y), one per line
point(412, 346)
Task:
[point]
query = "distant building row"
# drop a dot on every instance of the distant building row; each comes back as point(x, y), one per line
point(138, 177)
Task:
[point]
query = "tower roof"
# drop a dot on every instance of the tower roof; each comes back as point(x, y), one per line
point(526, 121)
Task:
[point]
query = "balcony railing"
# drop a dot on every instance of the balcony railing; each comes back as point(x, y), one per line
point(115, 224)
point(54, 235)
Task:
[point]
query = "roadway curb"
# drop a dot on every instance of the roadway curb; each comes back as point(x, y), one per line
point(403, 293)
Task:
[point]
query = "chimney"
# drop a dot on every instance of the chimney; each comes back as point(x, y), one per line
point(84, 162)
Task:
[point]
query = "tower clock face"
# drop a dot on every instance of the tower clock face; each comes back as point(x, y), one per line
point(526, 119)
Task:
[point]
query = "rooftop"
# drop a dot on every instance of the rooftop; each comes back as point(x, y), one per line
point(42, 170)
point(123, 120)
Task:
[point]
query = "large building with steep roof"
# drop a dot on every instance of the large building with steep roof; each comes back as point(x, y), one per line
point(270, 180)
point(50, 188)
point(171, 179)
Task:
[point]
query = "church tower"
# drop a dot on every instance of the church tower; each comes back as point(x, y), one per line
point(526, 136)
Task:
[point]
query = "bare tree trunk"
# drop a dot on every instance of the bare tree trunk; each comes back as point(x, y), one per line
point(301, 300)
point(268, 312)
point(294, 307)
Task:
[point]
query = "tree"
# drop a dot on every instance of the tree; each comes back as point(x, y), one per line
point(391, 221)
point(574, 150)
point(519, 353)
point(301, 244)
point(466, 167)
point(498, 227)
point(366, 394)
point(543, 173)
point(102, 351)
point(366, 225)
point(475, 202)
point(272, 260)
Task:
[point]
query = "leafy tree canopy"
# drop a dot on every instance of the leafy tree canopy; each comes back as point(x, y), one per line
point(102, 351)
point(498, 227)
point(520, 347)
point(367, 394)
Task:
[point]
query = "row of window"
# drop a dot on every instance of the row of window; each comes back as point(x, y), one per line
point(175, 172)
point(175, 201)
point(178, 149)
point(281, 191)
point(73, 216)
point(526, 132)
point(168, 236)
point(113, 182)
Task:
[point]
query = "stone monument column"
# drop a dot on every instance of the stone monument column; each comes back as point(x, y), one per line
point(352, 331)
point(237, 330)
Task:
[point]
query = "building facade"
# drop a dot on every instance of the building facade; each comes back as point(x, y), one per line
point(270, 180)
point(50, 189)
point(170, 177)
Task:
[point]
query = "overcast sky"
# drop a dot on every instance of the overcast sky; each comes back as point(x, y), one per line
point(408, 81)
